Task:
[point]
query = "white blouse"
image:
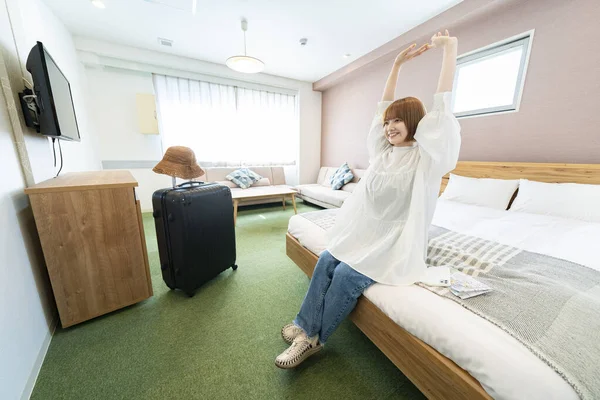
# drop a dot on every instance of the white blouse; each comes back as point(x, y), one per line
point(381, 229)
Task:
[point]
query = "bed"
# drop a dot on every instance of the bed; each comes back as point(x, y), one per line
point(447, 351)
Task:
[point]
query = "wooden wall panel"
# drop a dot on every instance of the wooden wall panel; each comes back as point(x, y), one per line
point(542, 172)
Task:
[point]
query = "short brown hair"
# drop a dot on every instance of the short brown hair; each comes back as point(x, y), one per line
point(410, 110)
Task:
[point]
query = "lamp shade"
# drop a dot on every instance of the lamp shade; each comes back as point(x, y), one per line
point(246, 64)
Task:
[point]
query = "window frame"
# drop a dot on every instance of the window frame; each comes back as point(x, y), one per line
point(524, 39)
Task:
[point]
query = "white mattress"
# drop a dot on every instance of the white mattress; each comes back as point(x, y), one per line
point(503, 366)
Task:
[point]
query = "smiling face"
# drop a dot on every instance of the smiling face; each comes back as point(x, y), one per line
point(401, 119)
point(395, 131)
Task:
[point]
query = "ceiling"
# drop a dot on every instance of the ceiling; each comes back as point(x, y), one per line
point(333, 28)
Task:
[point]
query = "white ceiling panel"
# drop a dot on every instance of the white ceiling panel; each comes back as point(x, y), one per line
point(184, 5)
point(333, 28)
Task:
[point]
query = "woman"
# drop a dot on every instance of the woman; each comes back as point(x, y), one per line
point(380, 233)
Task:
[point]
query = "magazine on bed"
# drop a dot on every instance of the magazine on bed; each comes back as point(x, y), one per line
point(465, 286)
point(461, 285)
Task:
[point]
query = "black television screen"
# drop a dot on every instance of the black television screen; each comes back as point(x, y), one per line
point(56, 116)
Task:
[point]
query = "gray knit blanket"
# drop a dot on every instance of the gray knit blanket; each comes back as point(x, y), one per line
point(551, 306)
point(324, 219)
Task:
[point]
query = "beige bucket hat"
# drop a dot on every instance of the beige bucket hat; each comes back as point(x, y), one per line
point(180, 162)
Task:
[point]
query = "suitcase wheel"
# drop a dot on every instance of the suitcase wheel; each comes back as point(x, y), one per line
point(190, 294)
point(234, 267)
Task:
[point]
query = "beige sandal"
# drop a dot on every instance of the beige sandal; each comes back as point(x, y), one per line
point(290, 332)
point(302, 347)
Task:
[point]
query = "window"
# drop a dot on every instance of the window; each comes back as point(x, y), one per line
point(227, 125)
point(490, 80)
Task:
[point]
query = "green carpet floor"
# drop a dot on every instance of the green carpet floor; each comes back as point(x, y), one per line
point(221, 343)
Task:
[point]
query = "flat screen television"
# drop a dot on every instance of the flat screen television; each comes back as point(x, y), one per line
point(52, 98)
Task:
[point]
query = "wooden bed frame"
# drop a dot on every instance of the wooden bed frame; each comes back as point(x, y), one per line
point(436, 376)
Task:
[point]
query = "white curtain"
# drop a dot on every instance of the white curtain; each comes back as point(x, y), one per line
point(227, 125)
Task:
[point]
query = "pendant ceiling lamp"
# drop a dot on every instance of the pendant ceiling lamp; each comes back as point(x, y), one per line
point(245, 63)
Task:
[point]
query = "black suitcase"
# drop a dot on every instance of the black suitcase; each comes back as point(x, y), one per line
point(195, 233)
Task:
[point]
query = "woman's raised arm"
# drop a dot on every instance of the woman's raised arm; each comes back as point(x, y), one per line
point(449, 45)
point(438, 133)
point(404, 56)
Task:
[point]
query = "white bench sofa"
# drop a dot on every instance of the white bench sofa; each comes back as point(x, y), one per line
point(272, 176)
point(322, 194)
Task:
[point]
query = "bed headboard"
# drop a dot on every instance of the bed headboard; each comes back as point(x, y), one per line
point(543, 172)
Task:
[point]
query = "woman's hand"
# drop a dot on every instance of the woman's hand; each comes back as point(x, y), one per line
point(405, 55)
point(450, 46)
point(410, 53)
point(443, 40)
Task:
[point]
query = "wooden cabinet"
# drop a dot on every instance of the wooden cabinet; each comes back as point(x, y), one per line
point(90, 227)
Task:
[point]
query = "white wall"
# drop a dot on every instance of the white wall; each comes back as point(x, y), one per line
point(27, 308)
point(33, 21)
point(26, 303)
point(116, 73)
point(112, 100)
point(113, 108)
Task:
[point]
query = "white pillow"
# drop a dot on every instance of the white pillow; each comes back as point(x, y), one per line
point(568, 200)
point(263, 182)
point(327, 179)
point(349, 187)
point(229, 184)
point(486, 192)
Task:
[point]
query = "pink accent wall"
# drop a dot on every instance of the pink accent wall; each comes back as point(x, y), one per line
point(559, 117)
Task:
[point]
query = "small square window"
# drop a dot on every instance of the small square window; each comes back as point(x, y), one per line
point(490, 80)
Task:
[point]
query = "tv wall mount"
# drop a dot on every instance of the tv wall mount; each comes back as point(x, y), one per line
point(31, 108)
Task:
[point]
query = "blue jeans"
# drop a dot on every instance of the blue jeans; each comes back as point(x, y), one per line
point(334, 289)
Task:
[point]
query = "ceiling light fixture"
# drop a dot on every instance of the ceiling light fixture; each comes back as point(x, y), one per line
point(245, 63)
point(98, 4)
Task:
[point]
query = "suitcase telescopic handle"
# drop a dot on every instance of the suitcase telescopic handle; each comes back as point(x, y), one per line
point(191, 183)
